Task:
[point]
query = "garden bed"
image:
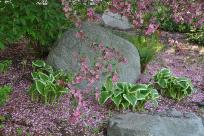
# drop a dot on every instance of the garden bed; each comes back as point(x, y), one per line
point(23, 115)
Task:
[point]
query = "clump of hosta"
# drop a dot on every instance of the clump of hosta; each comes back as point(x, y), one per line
point(171, 86)
point(48, 84)
point(128, 95)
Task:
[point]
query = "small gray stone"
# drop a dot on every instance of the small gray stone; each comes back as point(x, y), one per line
point(134, 124)
point(61, 56)
point(115, 20)
point(174, 113)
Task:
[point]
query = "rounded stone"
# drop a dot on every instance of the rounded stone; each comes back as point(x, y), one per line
point(61, 56)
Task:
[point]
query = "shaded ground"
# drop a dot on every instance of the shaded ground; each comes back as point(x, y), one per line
point(185, 60)
point(38, 119)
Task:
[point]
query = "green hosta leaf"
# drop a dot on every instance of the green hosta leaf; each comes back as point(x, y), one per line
point(144, 92)
point(162, 83)
point(173, 93)
point(40, 86)
point(117, 92)
point(183, 82)
point(104, 96)
point(154, 94)
point(126, 88)
point(103, 89)
point(117, 100)
point(132, 99)
point(140, 87)
point(125, 104)
point(48, 68)
point(120, 86)
point(140, 96)
point(133, 89)
point(163, 74)
point(43, 76)
point(38, 63)
point(52, 78)
point(35, 75)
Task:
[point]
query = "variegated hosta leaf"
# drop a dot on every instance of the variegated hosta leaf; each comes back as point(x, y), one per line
point(154, 94)
point(140, 96)
point(48, 68)
point(120, 86)
point(117, 92)
point(140, 87)
point(38, 63)
point(52, 78)
point(117, 100)
point(103, 89)
point(43, 76)
point(132, 99)
point(40, 86)
point(125, 104)
point(104, 96)
point(162, 83)
point(35, 75)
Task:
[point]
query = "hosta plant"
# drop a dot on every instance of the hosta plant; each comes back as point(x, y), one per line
point(128, 95)
point(48, 84)
point(4, 65)
point(171, 86)
point(4, 94)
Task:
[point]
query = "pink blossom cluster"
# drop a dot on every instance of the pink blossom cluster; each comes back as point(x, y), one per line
point(92, 74)
point(182, 11)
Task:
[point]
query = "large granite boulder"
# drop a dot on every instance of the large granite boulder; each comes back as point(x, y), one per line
point(61, 56)
point(115, 20)
point(134, 124)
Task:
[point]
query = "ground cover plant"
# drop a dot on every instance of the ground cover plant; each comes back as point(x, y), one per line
point(172, 86)
point(47, 87)
point(128, 95)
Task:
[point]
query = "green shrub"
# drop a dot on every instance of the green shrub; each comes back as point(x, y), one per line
point(147, 47)
point(4, 65)
point(4, 94)
point(128, 95)
point(174, 87)
point(48, 84)
point(197, 36)
point(41, 23)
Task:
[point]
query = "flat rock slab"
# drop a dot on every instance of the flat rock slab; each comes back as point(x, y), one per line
point(62, 55)
point(134, 124)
